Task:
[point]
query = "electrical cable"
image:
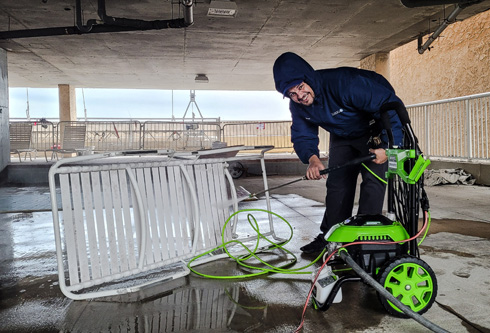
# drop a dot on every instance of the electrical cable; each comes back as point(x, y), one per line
point(375, 175)
point(427, 229)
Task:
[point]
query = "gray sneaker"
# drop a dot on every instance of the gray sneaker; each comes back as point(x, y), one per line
point(316, 246)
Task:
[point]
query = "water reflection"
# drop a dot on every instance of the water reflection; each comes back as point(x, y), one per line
point(186, 309)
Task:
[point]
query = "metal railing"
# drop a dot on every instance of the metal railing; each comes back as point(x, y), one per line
point(180, 135)
point(113, 136)
point(273, 133)
point(451, 128)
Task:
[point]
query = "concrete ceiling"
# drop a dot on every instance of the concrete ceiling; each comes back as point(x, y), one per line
point(235, 53)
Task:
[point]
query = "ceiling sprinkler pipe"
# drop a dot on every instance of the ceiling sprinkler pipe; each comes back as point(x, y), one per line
point(138, 24)
point(188, 12)
point(105, 24)
point(80, 26)
point(450, 19)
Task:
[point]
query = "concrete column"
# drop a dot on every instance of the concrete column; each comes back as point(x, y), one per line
point(68, 106)
point(4, 112)
point(378, 62)
point(383, 64)
point(68, 109)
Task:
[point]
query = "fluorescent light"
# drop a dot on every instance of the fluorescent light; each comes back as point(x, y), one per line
point(222, 9)
point(201, 78)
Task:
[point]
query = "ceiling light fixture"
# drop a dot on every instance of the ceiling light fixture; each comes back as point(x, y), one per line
point(201, 78)
point(222, 8)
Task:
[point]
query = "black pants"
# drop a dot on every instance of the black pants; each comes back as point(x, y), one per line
point(342, 183)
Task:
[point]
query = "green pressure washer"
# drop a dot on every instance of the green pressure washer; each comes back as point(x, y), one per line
point(384, 247)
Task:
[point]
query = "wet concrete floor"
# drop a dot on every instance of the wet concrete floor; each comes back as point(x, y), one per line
point(457, 249)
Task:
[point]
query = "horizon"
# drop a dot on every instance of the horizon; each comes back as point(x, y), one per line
point(151, 103)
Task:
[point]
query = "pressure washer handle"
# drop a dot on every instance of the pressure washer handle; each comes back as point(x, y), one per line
point(355, 161)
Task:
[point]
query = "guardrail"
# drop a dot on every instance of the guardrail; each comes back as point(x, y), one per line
point(113, 136)
point(451, 128)
point(277, 134)
point(179, 135)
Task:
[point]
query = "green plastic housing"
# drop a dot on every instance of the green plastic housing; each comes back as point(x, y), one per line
point(372, 232)
point(396, 161)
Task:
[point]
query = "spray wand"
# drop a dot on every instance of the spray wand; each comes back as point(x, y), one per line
point(355, 161)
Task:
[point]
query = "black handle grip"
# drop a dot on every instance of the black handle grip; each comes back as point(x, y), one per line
point(385, 119)
point(355, 161)
point(400, 109)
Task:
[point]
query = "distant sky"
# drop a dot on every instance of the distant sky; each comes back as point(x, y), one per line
point(138, 103)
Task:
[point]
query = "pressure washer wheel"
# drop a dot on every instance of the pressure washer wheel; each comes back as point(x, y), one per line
point(411, 281)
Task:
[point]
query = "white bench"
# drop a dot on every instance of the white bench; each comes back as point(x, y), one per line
point(128, 222)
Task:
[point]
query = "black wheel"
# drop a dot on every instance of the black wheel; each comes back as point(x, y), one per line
point(236, 169)
point(411, 281)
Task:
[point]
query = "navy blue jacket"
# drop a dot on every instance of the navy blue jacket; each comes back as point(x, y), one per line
point(346, 100)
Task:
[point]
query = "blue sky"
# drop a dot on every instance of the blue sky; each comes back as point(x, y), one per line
point(139, 103)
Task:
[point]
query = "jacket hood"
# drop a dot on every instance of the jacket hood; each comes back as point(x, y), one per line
point(290, 70)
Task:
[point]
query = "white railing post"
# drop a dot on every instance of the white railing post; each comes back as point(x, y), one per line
point(427, 130)
point(469, 131)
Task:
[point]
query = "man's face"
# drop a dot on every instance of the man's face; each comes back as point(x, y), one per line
point(302, 94)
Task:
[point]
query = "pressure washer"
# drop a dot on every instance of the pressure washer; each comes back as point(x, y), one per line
point(383, 250)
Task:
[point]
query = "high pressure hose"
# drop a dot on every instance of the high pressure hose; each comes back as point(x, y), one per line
point(385, 293)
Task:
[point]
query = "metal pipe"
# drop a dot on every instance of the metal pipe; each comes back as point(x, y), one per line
point(188, 12)
point(450, 19)
point(60, 31)
point(139, 24)
point(80, 26)
point(425, 3)
point(110, 24)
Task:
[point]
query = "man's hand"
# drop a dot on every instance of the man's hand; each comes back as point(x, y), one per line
point(314, 167)
point(380, 155)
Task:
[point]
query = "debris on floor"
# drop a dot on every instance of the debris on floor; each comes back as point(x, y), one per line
point(448, 176)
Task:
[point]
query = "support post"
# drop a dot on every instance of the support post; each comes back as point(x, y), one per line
point(4, 112)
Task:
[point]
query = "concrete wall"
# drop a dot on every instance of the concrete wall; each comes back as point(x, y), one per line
point(458, 63)
point(4, 112)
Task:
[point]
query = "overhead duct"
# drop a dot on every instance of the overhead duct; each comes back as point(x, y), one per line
point(106, 24)
point(426, 3)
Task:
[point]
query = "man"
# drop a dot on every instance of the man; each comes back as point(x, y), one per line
point(346, 102)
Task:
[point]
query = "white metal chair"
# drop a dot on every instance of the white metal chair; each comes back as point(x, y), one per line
point(20, 139)
point(73, 141)
point(124, 219)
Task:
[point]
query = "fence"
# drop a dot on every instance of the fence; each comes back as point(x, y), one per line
point(277, 134)
point(453, 128)
point(113, 136)
point(180, 135)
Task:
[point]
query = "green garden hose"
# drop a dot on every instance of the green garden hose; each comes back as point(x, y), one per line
point(241, 260)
